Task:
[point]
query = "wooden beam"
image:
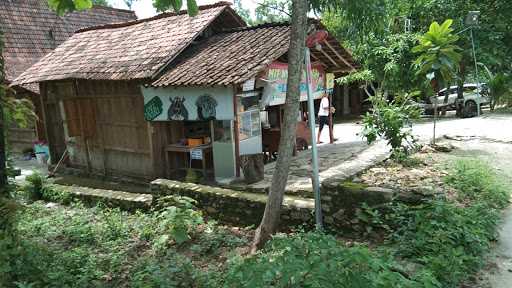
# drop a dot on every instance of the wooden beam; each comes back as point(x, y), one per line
point(339, 56)
point(329, 57)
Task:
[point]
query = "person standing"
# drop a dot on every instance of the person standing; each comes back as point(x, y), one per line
point(323, 115)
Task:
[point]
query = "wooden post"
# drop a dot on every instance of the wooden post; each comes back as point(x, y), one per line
point(82, 129)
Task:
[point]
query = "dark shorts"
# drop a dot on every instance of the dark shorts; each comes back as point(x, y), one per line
point(323, 120)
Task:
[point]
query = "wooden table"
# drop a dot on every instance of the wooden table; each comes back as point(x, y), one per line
point(206, 149)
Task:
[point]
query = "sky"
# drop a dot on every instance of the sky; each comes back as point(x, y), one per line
point(144, 8)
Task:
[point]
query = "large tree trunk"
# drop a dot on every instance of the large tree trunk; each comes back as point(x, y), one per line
point(3, 172)
point(270, 220)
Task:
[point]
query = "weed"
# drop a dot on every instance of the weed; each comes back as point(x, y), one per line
point(476, 181)
point(33, 189)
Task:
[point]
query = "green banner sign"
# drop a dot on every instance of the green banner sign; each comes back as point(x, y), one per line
point(153, 108)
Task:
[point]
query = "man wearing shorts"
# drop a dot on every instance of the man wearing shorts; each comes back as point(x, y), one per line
point(323, 115)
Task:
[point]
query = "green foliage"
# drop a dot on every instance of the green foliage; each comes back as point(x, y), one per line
point(444, 238)
point(314, 260)
point(273, 11)
point(501, 89)
point(448, 239)
point(33, 189)
point(103, 3)
point(171, 270)
point(54, 194)
point(176, 5)
point(243, 12)
point(438, 54)
point(177, 222)
point(476, 181)
point(75, 246)
point(64, 6)
point(392, 121)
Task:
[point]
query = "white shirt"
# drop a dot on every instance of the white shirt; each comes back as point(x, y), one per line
point(324, 107)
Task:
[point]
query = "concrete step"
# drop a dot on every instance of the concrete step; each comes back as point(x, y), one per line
point(112, 198)
point(236, 206)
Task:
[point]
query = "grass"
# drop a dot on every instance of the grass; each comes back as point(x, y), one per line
point(78, 246)
point(439, 243)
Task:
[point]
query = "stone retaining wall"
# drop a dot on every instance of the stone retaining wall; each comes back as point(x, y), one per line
point(236, 206)
point(341, 201)
point(123, 200)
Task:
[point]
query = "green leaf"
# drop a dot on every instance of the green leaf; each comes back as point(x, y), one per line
point(192, 7)
point(82, 4)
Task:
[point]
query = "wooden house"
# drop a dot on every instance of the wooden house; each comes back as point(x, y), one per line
point(157, 97)
point(90, 88)
point(30, 31)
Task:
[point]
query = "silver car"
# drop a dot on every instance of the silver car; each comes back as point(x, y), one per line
point(470, 99)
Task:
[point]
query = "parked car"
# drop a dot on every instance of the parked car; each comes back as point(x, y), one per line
point(470, 98)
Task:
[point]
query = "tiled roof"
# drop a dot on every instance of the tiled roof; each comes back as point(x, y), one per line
point(31, 30)
point(236, 56)
point(132, 50)
point(228, 58)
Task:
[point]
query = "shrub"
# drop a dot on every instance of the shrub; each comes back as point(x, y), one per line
point(170, 270)
point(314, 260)
point(33, 189)
point(54, 194)
point(392, 121)
point(447, 238)
point(177, 222)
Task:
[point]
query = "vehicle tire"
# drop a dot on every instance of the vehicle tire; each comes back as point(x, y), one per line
point(301, 144)
point(470, 109)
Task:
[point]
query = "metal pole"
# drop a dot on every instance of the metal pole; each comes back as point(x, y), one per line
point(476, 74)
point(314, 151)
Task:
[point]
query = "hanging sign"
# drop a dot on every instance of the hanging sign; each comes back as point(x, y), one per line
point(277, 77)
point(196, 154)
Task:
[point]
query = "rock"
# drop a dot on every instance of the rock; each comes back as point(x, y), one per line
point(51, 205)
point(445, 147)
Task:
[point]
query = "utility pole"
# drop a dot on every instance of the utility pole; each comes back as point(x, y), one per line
point(472, 19)
point(314, 150)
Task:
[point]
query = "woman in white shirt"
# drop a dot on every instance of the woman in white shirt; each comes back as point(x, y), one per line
point(323, 115)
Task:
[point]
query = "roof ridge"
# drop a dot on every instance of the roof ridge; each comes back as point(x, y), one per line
point(156, 17)
point(259, 26)
point(113, 9)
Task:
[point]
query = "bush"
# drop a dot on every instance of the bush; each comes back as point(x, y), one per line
point(177, 222)
point(33, 189)
point(171, 270)
point(392, 121)
point(314, 260)
point(449, 239)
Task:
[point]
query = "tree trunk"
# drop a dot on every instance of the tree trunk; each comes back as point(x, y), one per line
point(445, 100)
point(3, 170)
point(270, 220)
point(460, 90)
